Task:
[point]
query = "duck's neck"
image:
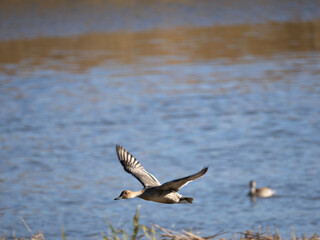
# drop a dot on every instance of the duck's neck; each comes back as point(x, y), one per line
point(137, 193)
point(252, 190)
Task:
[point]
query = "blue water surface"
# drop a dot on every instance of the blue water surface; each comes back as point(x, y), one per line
point(246, 117)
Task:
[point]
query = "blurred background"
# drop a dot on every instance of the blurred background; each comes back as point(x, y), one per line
point(181, 84)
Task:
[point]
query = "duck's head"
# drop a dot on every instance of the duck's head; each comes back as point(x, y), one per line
point(252, 188)
point(252, 184)
point(126, 194)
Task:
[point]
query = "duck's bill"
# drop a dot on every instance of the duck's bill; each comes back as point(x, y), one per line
point(118, 198)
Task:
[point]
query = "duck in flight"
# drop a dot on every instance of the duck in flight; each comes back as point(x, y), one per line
point(152, 189)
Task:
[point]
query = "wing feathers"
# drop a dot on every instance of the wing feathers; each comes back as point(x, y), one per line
point(132, 166)
point(179, 183)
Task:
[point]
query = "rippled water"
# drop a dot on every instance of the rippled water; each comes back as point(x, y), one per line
point(243, 98)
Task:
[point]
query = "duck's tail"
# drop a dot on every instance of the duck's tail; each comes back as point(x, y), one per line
point(186, 200)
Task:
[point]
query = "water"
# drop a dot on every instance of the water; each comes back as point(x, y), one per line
point(240, 94)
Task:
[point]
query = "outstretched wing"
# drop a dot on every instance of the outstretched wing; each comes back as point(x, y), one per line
point(179, 183)
point(132, 166)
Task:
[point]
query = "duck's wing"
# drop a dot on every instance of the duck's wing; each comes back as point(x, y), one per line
point(179, 183)
point(132, 166)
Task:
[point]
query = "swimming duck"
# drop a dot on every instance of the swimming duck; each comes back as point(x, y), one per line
point(260, 192)
point(152, 189)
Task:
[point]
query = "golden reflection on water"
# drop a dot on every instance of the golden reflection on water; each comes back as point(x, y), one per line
point(174, 46)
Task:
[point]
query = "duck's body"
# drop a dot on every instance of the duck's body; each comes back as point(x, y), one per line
point(263, 192)
point(153, 190)
point(164, 196)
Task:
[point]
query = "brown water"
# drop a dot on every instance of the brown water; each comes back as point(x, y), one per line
point(180, 85)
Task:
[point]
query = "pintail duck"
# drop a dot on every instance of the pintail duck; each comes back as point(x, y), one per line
point(152, 189)
point(260, 192)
